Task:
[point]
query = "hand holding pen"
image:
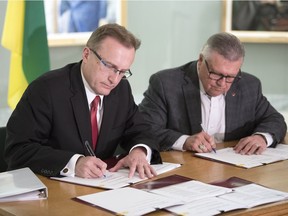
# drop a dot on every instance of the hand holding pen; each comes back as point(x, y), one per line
point(90, 167)
point(209, 140)
point(200, 142)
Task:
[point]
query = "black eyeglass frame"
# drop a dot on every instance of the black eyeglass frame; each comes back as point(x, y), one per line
point(228, 79)
point(125, 73)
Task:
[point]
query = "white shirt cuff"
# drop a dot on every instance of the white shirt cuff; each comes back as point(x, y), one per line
point(178, 145)
point(69, 169)
point(268, 137)
point(148, 149)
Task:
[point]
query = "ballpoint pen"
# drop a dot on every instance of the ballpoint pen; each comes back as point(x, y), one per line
point(89, 149)
point(214, 149)
point(91, 152)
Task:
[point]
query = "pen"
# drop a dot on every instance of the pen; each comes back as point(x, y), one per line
point(214, 149)
point(89, 149)
point(91, 152)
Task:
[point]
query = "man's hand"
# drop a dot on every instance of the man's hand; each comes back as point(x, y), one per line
point(90, 167)
point(136, 161)
point(255, 144)
point(201, 142)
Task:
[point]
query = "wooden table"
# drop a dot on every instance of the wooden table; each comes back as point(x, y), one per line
point(60, 200)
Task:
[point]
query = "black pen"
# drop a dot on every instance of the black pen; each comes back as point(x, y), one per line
point(91, 152)
point(214, 149)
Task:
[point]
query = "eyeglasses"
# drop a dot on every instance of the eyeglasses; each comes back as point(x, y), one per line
point(123, 73)
point(216, 76)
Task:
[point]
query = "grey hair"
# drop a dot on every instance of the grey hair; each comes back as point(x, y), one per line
point(225, 44)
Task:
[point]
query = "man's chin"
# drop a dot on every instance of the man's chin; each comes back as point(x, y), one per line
point(105, 92)
point(215, 93)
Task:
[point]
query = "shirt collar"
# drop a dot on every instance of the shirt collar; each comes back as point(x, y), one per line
point(90, 93)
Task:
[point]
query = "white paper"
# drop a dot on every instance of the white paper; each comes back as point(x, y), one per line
point(187, 198)
point(129, 201)
point(243, 197)
point(205, 207)
point(191, 190)
point(252, 195)
point(114, 180)
point(228, 155)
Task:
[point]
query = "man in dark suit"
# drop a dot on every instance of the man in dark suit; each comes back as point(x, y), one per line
point(203, 102)
point(50, 128)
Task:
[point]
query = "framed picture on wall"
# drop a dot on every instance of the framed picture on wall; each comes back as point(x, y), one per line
point(256, 21)
point(71, 22)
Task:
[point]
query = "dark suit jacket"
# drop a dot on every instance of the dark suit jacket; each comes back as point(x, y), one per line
point(52, 121)
point(172, 105)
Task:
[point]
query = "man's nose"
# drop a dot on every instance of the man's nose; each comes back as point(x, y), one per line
point(221, 81)
point(113, 76)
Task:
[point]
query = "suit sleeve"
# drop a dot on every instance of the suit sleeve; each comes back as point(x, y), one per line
point(136, 131)
point(28, 132)
point(248, 111)
point(155, 107)
point(269, 120)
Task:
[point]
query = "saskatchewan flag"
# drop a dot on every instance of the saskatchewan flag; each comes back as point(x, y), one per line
point(25, 35)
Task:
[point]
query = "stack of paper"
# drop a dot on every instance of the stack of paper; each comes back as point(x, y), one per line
point(186, 198)
point(136, 202)
point(242, 197)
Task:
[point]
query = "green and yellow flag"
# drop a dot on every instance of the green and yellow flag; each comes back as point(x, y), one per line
point(25, 35)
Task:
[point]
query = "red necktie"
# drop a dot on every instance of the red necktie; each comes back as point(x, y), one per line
point(93, 116)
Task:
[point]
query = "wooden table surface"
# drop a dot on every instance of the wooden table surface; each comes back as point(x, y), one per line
point(61, 194)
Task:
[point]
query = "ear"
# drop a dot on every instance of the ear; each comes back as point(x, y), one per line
point(85, 54)
point(201, 58)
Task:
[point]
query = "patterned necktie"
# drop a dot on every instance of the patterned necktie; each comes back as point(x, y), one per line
point(93, 116)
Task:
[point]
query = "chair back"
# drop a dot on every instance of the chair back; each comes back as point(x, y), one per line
point(3, 165)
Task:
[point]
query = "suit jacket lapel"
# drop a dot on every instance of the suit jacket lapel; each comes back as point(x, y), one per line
point(80, 105)
point(233, 108)
point(192, 97)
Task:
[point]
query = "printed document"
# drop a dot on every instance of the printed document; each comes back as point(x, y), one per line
point(242, 197)
point(187, 198)
point(129, 201)
point(113, 180)
point(228, 155)
point(191, 190)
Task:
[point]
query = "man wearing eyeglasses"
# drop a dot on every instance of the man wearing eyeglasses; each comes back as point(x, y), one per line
point(52, 130)
point(194, 106)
